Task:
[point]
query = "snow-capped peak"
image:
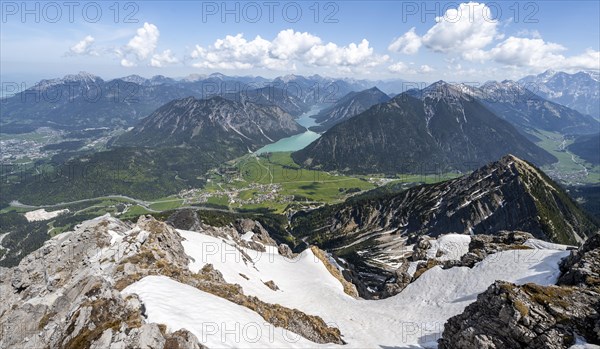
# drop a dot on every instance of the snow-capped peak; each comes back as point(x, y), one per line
point(135, 79)
point(81, 77)
point(441, 89)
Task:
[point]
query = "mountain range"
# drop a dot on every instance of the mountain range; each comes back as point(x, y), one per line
point(500, 257)
point(83, 101)
point(348, 106)
point(292, 103)
point(443, 130)
point(580, 91)
point(212, 123)
point(508, 194)
point(86, 101)
point(528, 112)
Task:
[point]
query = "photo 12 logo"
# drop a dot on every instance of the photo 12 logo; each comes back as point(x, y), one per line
point(269, 11)
point(454, 12)
point(69, 11)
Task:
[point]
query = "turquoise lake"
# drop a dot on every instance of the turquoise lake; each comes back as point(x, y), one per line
point(299, 141)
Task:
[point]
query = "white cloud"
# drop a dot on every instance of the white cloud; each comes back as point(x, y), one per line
point(539, 54)
point(289, 44)
point(468, 31)
point(589, 60)
point(234, 52)
point(526, 52)
point(464, 29)
point(409, 43)
point(529, 33)
point(399, 67)
point(144, 42)
point(426, 69)
point(283, 52)
point(127, 63)
point(409, 69)
point(160, 59)
point(83, 47)
point(143, 46)
point(352, 55)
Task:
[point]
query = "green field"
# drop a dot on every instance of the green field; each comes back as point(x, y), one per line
point(251, 183)
point(166, 204)
point(272, 182)
point(570, 169)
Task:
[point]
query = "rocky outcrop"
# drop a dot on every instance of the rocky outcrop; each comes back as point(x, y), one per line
point(420, 248)
point(483, 245)
point(285, 251)
point(398, 282)
point(63, 295)
point(529, 316)
point(582, 267)
point(533, 316)
point(68, 294)
point(259, 237)
point(349, 288)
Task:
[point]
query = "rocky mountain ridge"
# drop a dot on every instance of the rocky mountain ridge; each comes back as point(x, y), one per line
point(348, 106)
point(521, 107)
point(443, 131)
point(509, 194)
point(208, 123)
point(580, 91)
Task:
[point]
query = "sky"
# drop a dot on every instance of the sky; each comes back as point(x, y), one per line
point(410, 40)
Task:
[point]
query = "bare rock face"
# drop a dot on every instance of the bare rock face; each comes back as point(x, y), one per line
point(582, 267)
point(400, 280)
point(533, 316)
point(63, 295)
point(285, 251)
point(182, 339)
point(260, 234)
point(528, 316)
point(420, 248)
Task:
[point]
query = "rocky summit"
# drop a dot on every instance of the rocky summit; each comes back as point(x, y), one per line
point(533, 316)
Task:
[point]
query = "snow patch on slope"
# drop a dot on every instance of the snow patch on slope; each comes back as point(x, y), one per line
point(449, 246)
point(415, 317)
point(216, 322)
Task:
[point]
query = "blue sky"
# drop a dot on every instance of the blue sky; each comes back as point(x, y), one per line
point(363, 39)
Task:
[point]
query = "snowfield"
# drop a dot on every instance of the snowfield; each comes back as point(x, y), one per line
point(451, 247)
point(544, 245)
point(413, 318)
point(216, 322)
